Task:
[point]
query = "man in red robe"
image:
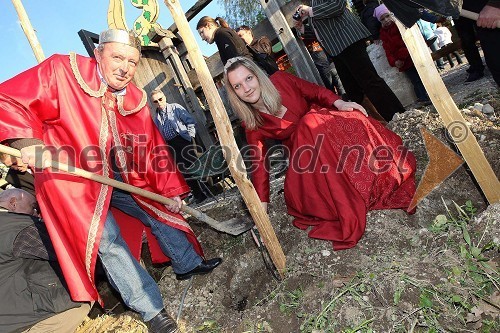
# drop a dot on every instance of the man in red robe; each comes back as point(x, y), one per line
point(85, 112)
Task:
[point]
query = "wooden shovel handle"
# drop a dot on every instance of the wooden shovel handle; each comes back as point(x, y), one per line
point(111, 182)
point(473, 16)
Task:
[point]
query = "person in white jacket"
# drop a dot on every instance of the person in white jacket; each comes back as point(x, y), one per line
point(444, 38)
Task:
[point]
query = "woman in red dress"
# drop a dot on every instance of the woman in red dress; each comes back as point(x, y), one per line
point(342, 163)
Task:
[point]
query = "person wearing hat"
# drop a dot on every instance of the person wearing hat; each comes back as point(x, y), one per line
point(397, 53)
point(86, 112)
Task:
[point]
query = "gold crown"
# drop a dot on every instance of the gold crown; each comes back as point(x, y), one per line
point(120, 36)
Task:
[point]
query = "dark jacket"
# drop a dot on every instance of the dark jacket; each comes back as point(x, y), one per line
point(23, 180)
point(371, 23)
point(262, 45)
point(337, 27)
point(31, 288)
point(229, 44)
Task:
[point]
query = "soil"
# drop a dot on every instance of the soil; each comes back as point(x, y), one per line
point(409, 273)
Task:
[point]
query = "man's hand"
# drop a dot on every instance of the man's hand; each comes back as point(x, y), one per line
point(488, 17)
point(349, 106)
point(305, 11)
point(191, 131)
point(176, 207)
point(36, 156)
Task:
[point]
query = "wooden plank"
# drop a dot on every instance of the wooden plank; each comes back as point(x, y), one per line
point(192, 12)
point(226, 137)
point(28, 30)
point(297, 53)
point(451, 116)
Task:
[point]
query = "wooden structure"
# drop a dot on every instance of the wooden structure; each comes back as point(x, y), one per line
point(226, 137)
point(451, 116)
point(28, 30)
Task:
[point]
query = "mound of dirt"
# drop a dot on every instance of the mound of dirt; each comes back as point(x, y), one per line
point(434, 271)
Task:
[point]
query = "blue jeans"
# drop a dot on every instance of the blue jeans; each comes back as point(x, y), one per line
point(137, 288)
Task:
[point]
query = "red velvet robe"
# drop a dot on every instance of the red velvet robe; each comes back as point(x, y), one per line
point(341, 163)
point(59, 101)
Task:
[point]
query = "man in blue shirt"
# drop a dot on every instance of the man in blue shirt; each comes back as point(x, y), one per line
point(178, 129)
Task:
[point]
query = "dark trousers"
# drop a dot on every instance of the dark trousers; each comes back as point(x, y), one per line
point(418, 86)
point(490, 43)
point(466, 30)
point(359, 78)
point(329, 77)
point(457, 56)
point(184, 155)
point(323, 66)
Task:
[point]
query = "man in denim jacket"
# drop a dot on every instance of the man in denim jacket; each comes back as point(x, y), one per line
point(178, 129)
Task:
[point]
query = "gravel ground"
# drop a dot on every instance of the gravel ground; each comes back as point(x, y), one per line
point(434, 271)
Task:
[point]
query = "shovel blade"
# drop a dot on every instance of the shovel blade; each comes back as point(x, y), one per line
point(234, 226)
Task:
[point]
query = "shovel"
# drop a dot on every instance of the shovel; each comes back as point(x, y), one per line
point(234, 226)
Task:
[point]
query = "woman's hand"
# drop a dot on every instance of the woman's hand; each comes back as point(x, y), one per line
point(349, 106)
point(175, 207)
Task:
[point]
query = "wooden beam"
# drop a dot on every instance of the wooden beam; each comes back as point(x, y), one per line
point(297, 53)
point(164, 39)
point(192, 12)
point(226, 137)
point(28, 30)
point(451, 116)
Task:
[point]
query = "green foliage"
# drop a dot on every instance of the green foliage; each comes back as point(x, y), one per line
point(291, 300)
point(325, 320)
point(247, 12)
point(209, 326)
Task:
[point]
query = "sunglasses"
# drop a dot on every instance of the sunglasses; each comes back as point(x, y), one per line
point(156, 101)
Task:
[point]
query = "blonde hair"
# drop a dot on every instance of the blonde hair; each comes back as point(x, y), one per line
point(269, 94)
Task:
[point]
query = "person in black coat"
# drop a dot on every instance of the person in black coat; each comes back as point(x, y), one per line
point(34, 293)
point(228, 42)
point(369, 21)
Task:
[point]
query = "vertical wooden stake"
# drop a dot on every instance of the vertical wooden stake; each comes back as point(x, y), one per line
point(28, 30)
point(451, 116)
point(226, 136)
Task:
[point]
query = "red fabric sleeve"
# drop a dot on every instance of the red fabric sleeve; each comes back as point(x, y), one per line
point(260, 167)
point(311, 92)
point(29, 99)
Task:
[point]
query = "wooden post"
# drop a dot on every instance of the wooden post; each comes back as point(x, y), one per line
point(226, 136)
point(28, 30)
point(167, 48)
point(297, 53)
point(447, 109)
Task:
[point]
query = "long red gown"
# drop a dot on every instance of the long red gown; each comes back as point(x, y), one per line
point(342, 164)
point(60, 102)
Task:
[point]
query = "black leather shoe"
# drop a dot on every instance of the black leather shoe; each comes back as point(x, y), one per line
point(473, 76)
point(205, 267)
point(162, 323)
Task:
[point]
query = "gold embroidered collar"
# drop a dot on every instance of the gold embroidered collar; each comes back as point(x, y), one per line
point(102, 89)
